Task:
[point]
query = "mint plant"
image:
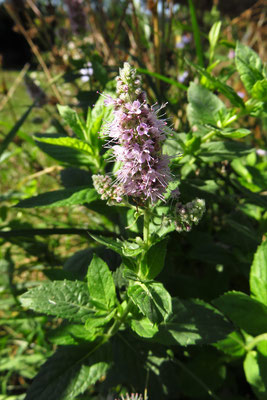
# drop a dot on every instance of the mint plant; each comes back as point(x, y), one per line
point(122, 326)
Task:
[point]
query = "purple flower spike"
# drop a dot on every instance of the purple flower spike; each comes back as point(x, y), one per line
point(136, 135)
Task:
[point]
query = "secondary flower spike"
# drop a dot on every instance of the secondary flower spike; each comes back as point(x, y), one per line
point(136, 136)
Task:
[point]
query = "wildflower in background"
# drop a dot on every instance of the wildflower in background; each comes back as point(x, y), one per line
point(136, 136)
point(76, 15)
point(231, 54)
point(241, 94)
point(86, 72)
point(184, 40)
point(182, 77)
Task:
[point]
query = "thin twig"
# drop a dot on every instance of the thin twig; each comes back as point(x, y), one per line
point(47, 170)
point(35, 50)
point(14, 86)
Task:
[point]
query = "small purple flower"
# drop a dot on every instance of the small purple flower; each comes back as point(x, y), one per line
point(143, 129)
point(182, 77)
point(241, 94)
point(231, 54)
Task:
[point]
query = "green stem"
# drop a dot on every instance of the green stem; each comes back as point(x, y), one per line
point(250, 346)
point(115, 327)
point(146, 228)
point(208, 136)
point(196, 33)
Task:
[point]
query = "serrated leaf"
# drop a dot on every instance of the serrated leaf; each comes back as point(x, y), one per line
point(204, 106)
point(255, 366)
point(144, 327)
point(66, 154)
point(69, 372)
point(115, 245)
point(60, 198)
point(72, 119)
point(192, 322)
point(70, 334)
point(155, 258)
point(99, 319)
point(65, 299)
point(67, 141)
point(152, 299)
point(245, 312)
point(100, 283)
point(233, 345)
point(220, 151)
point(258, 274)
point(259, 90)
point(249, 66)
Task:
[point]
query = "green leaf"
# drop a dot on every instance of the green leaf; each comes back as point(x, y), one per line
point(97, 120)
point(249, 66)
point(70, 334)
point(59, 198)
point(155, 258)
point(235, 133)
point(144, 327)
point(245, 312)
point(259, 90)
point(12, 133)
point(99, 319)
point(115, 245)
point(192, 322)
point(233, 345)
point(65, 299)
point(72, 119)
point(255, 366)
point(217, 83)
point(67, 141)
point(204, 106)
point(214, 34)
point(258, 274)
point(69, 372)
point(152, 299)
point(100, 283)
point(220, 151)
point(67, 153)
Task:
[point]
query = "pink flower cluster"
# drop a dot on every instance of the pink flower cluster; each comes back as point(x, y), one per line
point(136, 137)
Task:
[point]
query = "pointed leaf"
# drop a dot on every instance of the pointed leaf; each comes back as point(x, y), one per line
point(258, 274)
point(192, 322)
point(245, 312)
point(72, 119)
point(71, 151)
point(59, 198)
point(100, 283)
point(204, 106)
point(152, 299)
point(155, 258)
point(69, 372)
point(65, 299)
point(144, 327)
point(255, 366)
point(249, 66)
